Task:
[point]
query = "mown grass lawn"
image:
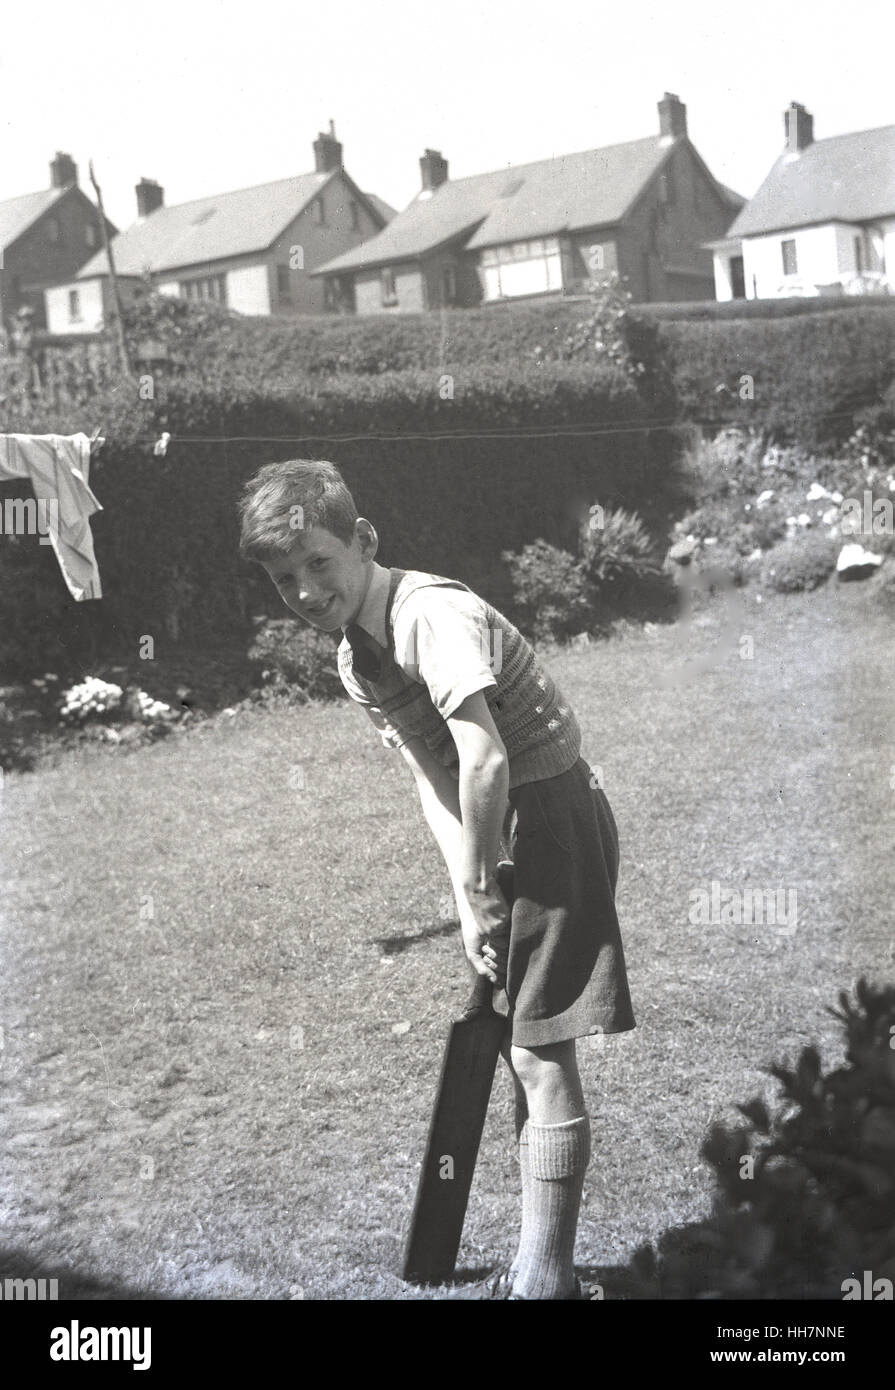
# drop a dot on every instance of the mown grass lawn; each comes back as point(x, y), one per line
point(228, 965)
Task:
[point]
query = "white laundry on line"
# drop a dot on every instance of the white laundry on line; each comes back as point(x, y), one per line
point(58, 467)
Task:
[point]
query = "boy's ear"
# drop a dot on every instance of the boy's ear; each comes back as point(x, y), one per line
point(367, 538)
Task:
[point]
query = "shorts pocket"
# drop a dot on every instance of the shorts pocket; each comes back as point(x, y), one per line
point(541, 856)
point(554, 805)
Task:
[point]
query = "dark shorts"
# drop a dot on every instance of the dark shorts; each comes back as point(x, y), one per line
point(566, 975)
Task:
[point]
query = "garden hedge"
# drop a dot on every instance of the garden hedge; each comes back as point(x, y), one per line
point(463, 434)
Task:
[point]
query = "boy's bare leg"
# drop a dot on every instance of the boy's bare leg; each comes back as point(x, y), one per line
point(520, 1118)
point(554, 1148)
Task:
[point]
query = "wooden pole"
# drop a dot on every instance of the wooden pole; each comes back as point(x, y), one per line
point(122, 340)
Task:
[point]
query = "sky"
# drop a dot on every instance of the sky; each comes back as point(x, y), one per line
point(211, 95)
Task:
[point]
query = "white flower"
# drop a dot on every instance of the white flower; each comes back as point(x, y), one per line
point(815, 493)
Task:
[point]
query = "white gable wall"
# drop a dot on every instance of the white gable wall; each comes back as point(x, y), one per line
point(89, 317)
point(817, 254)
point(825, 258)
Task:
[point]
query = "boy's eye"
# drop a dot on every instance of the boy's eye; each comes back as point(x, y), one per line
point(320, 560)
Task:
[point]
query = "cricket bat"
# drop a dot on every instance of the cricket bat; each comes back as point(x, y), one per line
point(455, 1131)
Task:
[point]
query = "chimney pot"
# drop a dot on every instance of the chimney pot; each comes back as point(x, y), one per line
point(63, 170)
point(799, 127)
point(150, 196)
point(327, 151)
point(434, 169)
point(672, 116)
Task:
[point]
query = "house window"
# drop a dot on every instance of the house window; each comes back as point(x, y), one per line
point(790, 260)
point(387, 285)
point(737, 277)
point(859, 255)
point(355, 216)
point(74, 306)
point(522, 268)
point(53, 230)
point(209, 287)
point(284, 283)
point(319, 212)
point(90, 235)
point(449, 285)
point(666, 186)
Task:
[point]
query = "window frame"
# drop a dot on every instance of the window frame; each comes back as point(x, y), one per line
point(788, 245)
point(198, 290)
point(388, 286)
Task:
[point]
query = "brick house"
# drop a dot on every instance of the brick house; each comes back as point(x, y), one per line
point(823, 221)
point(44, 237)
point(644, 209)
point(250, 250)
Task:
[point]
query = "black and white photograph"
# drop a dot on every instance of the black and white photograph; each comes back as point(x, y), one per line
point(447, 672)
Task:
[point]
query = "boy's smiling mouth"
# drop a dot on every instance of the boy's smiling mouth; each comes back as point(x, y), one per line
point(321, 609)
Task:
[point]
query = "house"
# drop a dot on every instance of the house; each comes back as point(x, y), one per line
point(643, 208)
point(250, 250)
point(823, 221)
point(44, 237)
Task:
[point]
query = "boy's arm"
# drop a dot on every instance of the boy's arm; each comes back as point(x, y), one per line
point(466, 817)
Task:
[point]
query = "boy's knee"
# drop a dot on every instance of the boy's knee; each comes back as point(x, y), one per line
point(539, 1065)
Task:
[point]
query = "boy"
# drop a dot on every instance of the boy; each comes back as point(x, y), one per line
point(495, 754)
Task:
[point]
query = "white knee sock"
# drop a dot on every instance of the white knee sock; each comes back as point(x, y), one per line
point(558, 1156)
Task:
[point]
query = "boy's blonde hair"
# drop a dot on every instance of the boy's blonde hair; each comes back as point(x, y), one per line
point(284, 499)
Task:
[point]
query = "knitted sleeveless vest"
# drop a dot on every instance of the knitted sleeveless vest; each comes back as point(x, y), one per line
point(538, 728)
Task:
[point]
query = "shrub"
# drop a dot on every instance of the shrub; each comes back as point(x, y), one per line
point(551, 591)
point(804, 562)
point(768, 523)
point(819, 1204)
point(729, 463)
point(729, 558)
point(601, 334)
point(291, 653)
point(714, 518)
point(615, 545)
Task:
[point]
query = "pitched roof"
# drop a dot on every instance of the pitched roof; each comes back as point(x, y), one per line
point(208, 229)
point(17, 214)
point(567, 193)
point(847, 178)
point(385, 210)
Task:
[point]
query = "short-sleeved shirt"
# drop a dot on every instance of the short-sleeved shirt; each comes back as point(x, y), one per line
point(446, 643)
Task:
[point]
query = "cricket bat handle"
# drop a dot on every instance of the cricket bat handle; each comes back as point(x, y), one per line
point(479, 1002)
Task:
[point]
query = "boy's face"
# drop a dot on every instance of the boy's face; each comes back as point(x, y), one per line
point(323, 580)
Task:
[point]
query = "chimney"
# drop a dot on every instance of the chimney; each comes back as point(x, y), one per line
point(327, 151)
point(150, 195)
point(63, 170)
point(434, 169)
point(672, 116)
point(799, 126)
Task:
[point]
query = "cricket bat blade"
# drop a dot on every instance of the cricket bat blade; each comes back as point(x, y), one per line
point(455, 1131)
